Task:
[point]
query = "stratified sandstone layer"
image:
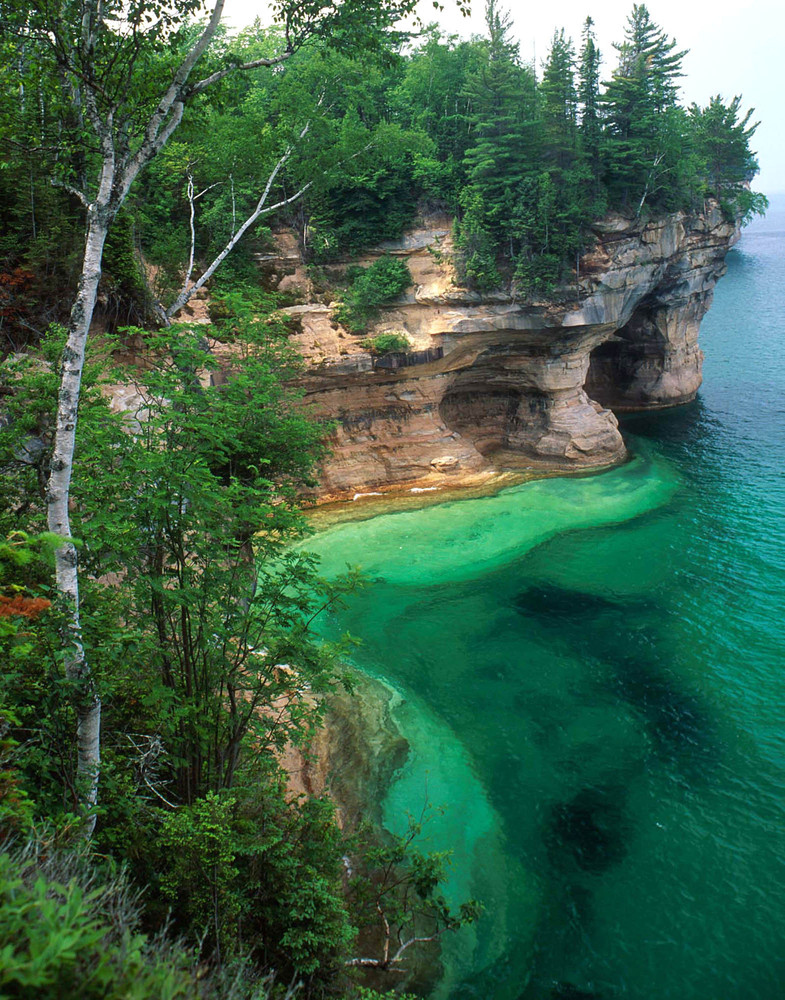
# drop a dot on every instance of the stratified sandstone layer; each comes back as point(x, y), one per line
point(493, 383)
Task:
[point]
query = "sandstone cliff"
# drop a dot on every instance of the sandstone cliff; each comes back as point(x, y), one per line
point(493, 383)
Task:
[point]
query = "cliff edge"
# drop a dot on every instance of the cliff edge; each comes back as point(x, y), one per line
point(491, 383)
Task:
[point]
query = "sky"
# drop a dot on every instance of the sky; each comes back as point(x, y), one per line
point(735, 48)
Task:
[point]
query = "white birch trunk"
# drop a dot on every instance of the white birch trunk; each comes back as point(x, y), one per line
point(116, 176)
point(77, 669)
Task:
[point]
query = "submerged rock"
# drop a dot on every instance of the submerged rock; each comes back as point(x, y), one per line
point(591, 829)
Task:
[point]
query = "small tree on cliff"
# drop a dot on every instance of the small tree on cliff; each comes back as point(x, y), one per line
point(116, 80)
point(722, 141)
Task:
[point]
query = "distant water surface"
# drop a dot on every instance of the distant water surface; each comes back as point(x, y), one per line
point(592, 679)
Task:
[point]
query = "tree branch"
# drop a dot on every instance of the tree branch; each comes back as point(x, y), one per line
point(208, 81)
point(56, 182)
point(187, 293)
point(156, 132)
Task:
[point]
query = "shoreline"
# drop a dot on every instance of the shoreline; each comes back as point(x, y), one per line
point(330, 509)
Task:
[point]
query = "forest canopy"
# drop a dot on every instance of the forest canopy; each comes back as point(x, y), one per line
point(524, 157)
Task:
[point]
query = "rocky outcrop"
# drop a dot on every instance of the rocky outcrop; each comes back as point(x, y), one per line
point(353, 755)
point(493, 382)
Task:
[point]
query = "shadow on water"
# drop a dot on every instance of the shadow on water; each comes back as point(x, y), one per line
point(568, 991)
point(679, 424)
point(563, 991)
point(557, 605)
point(589, 834)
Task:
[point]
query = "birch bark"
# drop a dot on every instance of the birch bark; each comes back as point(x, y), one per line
point(87, 699)
point(96, 99)
point(116, 175)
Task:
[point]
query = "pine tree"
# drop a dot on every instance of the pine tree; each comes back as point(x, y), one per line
point(559, 100)
point(502, 99)
point(589, 104)
point(723, 142)
point(725, 160)
point(636, 103)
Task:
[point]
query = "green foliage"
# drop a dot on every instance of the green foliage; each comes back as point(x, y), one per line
point(386, 343)
point(124, 288)
point(371, 288)
point(559, 101)
point(550, 236)
point(745, 204)
point(589, 102)
point(722, 137)
point(292, 856)
point(477, 248)
point(200, 875)
point(70, 938)
point(262, 875)
point(645, 136)
point(403, 885)
point(25, 561)
point(211, 604)
point(503, 101)
point(16, 808)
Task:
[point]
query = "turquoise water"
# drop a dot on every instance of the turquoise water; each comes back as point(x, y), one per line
point(591, 676)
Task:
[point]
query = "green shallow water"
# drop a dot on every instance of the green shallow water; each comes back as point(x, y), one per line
point(590, 676)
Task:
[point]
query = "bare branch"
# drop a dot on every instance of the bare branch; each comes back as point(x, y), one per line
point(220, 74)
point(261, 209)
point(192, 213)
point(388, 964)
point(205, 190)
point(55, 182)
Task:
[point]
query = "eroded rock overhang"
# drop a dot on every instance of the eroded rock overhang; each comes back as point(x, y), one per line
point(493, 382)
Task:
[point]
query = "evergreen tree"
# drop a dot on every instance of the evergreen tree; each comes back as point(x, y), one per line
point(559, 101)
point(643, 88)
point(723, 139)
point(589, 104)
point(722, 147)
point(502, 114)
point(502, 103)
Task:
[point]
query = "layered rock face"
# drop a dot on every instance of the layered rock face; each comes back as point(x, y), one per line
point(653, 360)
point(493, 383)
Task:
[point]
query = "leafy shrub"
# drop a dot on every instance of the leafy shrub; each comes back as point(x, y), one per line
point(372, 287)
point(259, 873)
point(199, 842)
point(15, 806)
point(64, 934)
point(385, 343)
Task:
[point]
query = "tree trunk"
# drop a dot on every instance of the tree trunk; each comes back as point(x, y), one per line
point(87, 701)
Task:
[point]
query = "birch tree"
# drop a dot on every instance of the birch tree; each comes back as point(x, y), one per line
point(124, 75)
